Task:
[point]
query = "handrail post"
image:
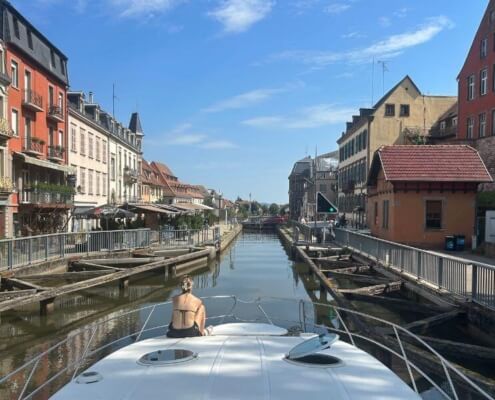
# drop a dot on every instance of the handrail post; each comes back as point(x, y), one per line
point(61, 244)
point(29, 248)
point(46, 247)
point(10, 254)
point(88, 236)
point(440, 272)
point(418, 264)
point(474, 281)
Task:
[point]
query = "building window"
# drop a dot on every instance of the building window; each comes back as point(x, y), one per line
point(90, 181)
point(73, 146)
point(61, 138)
point(14, 74)
point(482, 125)
point(442, 127)
point(82, 142)
point(61, 102)
point(404, 110)
point(52, 58)
point(375, 213)
point(454, 121)
point(471, 85)
point(30, 39)
point(90, 145)
point(104, 184)
point(483, 81)
point(470, 127)
point(97, 192)
point(492, 16)
point(104, 151)
point(83, 180)
point(389, 110)
point(385, 214)
point(97, 150)
point(15, 122)
point(483, 48)
point(16, 28)
point(112, 168)
point(433, 214)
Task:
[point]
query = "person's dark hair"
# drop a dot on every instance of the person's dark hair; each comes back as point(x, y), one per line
point(186, 284)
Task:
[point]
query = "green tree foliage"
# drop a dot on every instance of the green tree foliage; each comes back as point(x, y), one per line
point(274, 209)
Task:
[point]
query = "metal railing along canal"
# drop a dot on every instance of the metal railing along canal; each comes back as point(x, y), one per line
point(467, 278)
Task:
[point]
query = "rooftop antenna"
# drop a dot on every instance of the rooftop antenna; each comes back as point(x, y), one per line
point(384, 69)
point(114, 97)
point(373, 82)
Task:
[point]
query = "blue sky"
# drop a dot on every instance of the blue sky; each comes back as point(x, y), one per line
point(232, 92)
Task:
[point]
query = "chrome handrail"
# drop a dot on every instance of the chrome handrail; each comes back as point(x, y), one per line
point(446, 365)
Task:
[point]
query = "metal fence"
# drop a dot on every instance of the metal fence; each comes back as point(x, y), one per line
point(27, 250)
point(185, 237)
point(460, 276)
point(15, 253)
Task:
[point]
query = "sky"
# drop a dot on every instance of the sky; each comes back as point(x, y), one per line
point(232, 92)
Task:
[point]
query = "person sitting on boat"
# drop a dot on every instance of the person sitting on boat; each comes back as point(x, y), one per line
point(188, 315)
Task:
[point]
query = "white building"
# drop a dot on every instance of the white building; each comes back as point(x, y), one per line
point(106, 155)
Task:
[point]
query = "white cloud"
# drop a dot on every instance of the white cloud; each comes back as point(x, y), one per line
point(186, 139)
point(218, 144)
point(390, 47)
point(337, 8)
point(385, 22)
point(137, 8)
point(352, 35)
point(402, 12)
point(239, 15)
point(250, 98)
point(309, 117)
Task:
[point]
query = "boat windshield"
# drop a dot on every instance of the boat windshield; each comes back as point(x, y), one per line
point(313, 345)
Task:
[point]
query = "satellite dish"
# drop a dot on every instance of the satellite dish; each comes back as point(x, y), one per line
point(313, 345)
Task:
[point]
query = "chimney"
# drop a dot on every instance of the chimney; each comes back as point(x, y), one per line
point(90, 97)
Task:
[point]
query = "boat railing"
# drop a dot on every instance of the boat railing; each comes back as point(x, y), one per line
point(415, 354)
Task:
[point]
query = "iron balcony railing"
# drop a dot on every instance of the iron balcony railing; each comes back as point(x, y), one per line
point(33, 100)
point(55, 112)
point(92, 343)
point(56, 152)
point(130, 175)
point(45, 197)
point(5, 128)
point(460, 276)
point(33, 145)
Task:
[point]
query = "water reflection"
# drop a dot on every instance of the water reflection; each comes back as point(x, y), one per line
point(256, 265)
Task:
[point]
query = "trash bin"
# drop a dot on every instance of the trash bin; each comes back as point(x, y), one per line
point(450, 243)
point(460, 242)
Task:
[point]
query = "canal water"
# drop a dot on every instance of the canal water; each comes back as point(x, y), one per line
point(255, 265)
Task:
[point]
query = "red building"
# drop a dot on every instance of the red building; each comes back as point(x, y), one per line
point(476, 118)
point(38, 114)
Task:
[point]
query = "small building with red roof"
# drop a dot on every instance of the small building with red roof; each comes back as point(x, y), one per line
point(417, 195)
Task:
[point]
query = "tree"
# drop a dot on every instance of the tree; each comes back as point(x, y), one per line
point(274, 209)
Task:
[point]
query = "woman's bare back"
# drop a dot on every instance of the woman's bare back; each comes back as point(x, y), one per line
point(188, 309)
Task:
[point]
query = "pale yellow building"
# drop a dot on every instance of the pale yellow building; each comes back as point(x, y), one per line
point(402, 116)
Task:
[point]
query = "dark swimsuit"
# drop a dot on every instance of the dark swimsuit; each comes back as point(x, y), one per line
point(192, 331)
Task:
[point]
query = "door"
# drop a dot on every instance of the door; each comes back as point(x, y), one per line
point(25, 185)
point(51, 97)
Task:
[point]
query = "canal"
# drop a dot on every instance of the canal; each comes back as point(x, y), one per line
point(255, 265)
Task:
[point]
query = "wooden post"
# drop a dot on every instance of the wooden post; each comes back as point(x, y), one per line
point(124, 287)
point(47, 306)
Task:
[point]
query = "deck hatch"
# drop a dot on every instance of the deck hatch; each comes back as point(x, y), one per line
point(168, 356)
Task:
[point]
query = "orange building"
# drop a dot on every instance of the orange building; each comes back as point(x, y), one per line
point(417, 195)
point(38, 114)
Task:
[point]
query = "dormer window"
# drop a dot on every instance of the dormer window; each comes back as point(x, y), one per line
point(483, 48)
point(16, 28)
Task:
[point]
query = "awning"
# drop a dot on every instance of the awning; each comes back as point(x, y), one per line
point(149, 208)
point(78, 212)
point(167, 207)
point(192, 206)
point(45, 164)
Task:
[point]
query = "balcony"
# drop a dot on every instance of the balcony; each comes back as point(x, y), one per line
point(56, 153)
point(6, 132)
point(48, 195)
point(32, 100)
point(55, 113)
point(6, 188)
point(349, 186)
point(33, 146)
point(5, 79)
point(130, 176)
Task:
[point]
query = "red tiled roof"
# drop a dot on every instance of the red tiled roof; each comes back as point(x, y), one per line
point(445, 163)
